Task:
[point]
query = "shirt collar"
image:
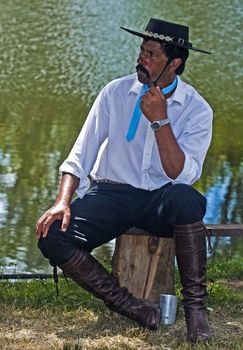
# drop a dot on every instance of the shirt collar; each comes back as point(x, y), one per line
point(178, 95)
point(136, 86)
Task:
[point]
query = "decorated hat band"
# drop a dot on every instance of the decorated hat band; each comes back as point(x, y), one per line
point(167, 32)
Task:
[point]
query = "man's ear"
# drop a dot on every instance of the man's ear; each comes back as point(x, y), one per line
point(175, 64)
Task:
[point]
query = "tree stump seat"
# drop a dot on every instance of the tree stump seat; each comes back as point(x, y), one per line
point(144, 264)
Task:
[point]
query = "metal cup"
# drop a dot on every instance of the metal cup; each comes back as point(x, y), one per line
point(168, 308)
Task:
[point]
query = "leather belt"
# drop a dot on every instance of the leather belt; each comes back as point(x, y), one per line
point(106, 181)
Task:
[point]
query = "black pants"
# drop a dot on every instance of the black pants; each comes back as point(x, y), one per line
point(108, 210)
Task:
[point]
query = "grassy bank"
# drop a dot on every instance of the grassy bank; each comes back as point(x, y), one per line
point(33, 317)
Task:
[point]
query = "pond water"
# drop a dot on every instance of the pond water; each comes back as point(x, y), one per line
point(56, 55)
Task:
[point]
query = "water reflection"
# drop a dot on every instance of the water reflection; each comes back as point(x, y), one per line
point(56, 56)
point(225, 196)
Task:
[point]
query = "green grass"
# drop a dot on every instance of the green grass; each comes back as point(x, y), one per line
point(230, 268)
point(42, 294)
point(33, 317)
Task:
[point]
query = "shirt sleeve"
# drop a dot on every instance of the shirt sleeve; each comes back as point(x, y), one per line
point(94, 132)
point(195, 142)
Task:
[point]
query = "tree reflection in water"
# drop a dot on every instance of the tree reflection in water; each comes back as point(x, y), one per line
point(55, 59)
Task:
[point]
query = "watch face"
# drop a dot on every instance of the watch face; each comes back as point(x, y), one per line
point(155, 125)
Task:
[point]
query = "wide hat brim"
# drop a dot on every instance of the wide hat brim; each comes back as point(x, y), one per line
point(165, 39)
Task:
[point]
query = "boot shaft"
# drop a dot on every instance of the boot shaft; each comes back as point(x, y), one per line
point(87, 272)
point(190, 243)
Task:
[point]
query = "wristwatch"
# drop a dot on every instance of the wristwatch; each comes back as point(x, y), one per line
point(157, 124)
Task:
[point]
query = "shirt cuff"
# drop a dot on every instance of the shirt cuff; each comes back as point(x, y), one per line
point(84, 182)
point(190, 172)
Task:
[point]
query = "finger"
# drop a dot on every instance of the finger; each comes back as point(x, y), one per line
point(65, 222)
point(159, 92)
point(39, 225)
point(149, 93)
point(40, 220)
point(153, 90)
point(47, 224)
point(147, 99)
point(142, 103)
point(156, 91)
point(147, 96)
point(39, 231)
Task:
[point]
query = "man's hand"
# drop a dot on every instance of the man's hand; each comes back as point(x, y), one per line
point(59, 211)
point(154, 107)
point(154, 104)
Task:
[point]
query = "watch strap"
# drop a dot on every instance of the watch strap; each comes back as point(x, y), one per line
point(157, 124)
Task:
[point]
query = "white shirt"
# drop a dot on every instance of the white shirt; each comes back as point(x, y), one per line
point(102, 151)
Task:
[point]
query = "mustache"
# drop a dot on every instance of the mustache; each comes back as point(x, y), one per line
point(143, 69)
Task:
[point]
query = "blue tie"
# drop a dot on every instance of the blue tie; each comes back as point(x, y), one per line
point(137, 111)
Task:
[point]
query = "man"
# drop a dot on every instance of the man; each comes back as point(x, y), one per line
point(143, 147)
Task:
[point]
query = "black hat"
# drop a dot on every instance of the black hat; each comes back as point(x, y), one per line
point(167, 32)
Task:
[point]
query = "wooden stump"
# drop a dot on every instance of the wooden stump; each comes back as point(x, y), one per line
point(144, 264)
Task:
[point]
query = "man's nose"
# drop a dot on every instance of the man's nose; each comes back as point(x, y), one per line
point(141, 58)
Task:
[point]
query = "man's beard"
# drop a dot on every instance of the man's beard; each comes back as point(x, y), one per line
point(140, 67)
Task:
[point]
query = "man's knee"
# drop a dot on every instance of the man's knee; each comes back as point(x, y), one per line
point(56, 246)
point(186, 205)
point(185, 195)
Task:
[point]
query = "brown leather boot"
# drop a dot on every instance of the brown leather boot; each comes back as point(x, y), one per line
point(190, 242)
point(87, 272)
